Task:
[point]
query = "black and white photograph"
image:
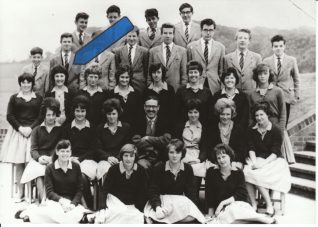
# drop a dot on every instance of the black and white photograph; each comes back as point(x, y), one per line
point(158, 112)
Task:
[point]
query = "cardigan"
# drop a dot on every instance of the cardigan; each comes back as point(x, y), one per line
point(164, 182)
point(22, 113)
point(129, 191)
point(59, 184)
point(217, 189)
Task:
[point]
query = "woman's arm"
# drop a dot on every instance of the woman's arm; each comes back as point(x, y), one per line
point(49, 186)
point(79, 193)
point(154, 188)
point(210, 191)
point(190, 187)
point(11, 114)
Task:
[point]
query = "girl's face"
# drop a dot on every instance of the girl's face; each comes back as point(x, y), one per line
point(124, 79)
point(59, 79)
point(157, 76)
point(64, 155)
point(112, 117)
point(174, 156)
point(193, 115)
point(128, 159)
point(50, 117)
point(194, 76)
point(26, 86)
point(92, 80)
point(80, 114)
point(223, 160)
point(226, 116)
point(261, 117)
point(263, 76)
point(229, 81)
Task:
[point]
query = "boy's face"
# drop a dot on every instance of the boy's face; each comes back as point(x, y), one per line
point(152, 22)
point(242, 40)
point(186, 15)
point(112, 17)
point(81, 24)
point(66, 44)
point(207, 32)
point(278, 48)
point(132, 38)
point(36, 59)
point(167, 35)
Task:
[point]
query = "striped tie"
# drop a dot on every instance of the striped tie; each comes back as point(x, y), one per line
point(66, 61)
point(153, 34)
point(206, 52)
point(279, 65)
point(187, 33)
point(168, 54)
point(35, 71)
point(241, 60)
point(129, 55)
point(81, 38)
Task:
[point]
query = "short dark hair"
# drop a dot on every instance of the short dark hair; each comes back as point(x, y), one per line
point(62, 144)
point(261, 68)
point(152, 97)
point(228, 72)
point(192, 104)
point(179, 146)
point(66, 35)
point(113, 9)
point(36, 50)
point(81, 15)
point(245, 30)
point(222, 149)
point(93, 68)
point(167, 25)
point(151, 13)
point(278, 38)
point(58, 69)
point(112, 104)
point(208, 22)
point(50, 103)
point(26, 76)
point(154, 67)
point(262, 105)
point(80, 101)
point(135, 29)
point(194, 65)
point(185, 5)
point(128, 148)
point(121, 70)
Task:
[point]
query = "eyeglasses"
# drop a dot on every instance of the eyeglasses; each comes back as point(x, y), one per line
point(151, 107)
point(185, 12)
point(208, 30)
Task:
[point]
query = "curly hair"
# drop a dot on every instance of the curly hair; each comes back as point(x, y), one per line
point(50, 103)
point(112, 104)
point(262, 68)
point(224, 103)
point(262, 105)
point(228, 72)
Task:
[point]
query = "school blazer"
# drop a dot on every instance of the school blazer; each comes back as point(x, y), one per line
point(213, 70)
point(76, 44)
point(252, 59)
point(288, 78)
point(144, 40)
point(107, 63)
point(176, 74)
point(180, 38)
point(139, 65)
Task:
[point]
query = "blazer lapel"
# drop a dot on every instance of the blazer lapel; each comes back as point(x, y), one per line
point(234, 61)
point(213, 51)
point(248, 61)
point(198, 48)
point(284, 63)
point(71, 61)
point(173, 54)
point(160, 55)
point(273, 66)
point(192, 31)
point(137, 55)
point(145, 37)
point(180, 28)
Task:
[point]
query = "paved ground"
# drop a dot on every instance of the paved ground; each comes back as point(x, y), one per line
point(299, 210)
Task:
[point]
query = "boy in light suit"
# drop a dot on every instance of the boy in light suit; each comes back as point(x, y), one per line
point(172, 56)
point(243, 60)
point(210, 54)
point(286, 72)
point(136, 57)
point(80, 37)
point(187, 31)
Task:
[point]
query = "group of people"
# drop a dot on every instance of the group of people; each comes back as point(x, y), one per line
point(147, 120)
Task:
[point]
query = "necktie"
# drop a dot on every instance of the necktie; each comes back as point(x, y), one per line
point(97, 60)
point(206, 52)
point(81, 38)
point(168, 54)
point(129, 55)
point(35, 71)
point(66, 61)
point(153, 34)
point(279, 65)
point(149, 128)
point(186, 32)
point(241, 60)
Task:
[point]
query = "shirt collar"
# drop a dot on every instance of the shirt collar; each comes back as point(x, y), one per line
point(270, 86)
point(130, 89)
point(64, 89)
point(122, 168)
point(87, 124)
point(152, 120)
point(134, 46)
point(238, 52)
point(184, 25)
point(167, 167)
point(21, 95)
point(268, 128)
point(68, 54)
point(57, 165)
point(224, 92)
point(99, 89)
point(56, 124)
point(281, 57)
point(119, 124)
point(170, 45)
point(203, 42)
point(200, 86)
point(164, 86)
point(187, 125)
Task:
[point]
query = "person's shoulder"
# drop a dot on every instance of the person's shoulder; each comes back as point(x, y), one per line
point(254, 54)
point(180, 48)
point(125, 125)
point(50, 167)
point(181, 88)
point(212, 171)
point(219, 44)
point(75, 165)
point(193, 44)
point(143, 49)
point(187, 167)
point(38, 96)
point(155, 49)
point(230, 55)
point(237, 173)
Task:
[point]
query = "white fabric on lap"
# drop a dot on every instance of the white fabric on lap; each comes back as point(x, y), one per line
point(102, 169)
point(275, 175)
point(89, 168)
point(181, 208)
point(32, 171)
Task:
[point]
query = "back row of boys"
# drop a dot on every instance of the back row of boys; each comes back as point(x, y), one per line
point(172, 46)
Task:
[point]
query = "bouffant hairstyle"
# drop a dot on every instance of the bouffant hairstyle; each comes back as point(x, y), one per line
point(262, 105)
point(112, 104)
point(154, 67)
point(80, 101)
point(58, 69)
point(151, 13)
point(263, 68)
point(228, 72)
point(50, 103)
point(121, 70)
point(178, 145)
point(62, 144)
point(194, 65)
point(224, 103)
point(128, 148)
point(222, 149)
point(93, 68)
point(28, 77)
point(192, 104)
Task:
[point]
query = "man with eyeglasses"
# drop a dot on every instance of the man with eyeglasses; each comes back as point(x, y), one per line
point(152, 135)
point(80, 37)
point(187, 30)
point(210, 54)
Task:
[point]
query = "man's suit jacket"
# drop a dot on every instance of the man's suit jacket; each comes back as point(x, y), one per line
point(139, 65)
point(251, 60)
point(76, 44)
point(176, 74)
point(213, 70)
point(146, 42)
point(73, 72)
point(107, 63)
point(180, 38)
point(288, 78)
point(41, 79)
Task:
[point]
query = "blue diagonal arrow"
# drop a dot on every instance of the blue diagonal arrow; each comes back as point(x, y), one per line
point(103, 41)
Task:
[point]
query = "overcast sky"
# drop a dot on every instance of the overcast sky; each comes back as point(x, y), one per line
point(28, 23)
